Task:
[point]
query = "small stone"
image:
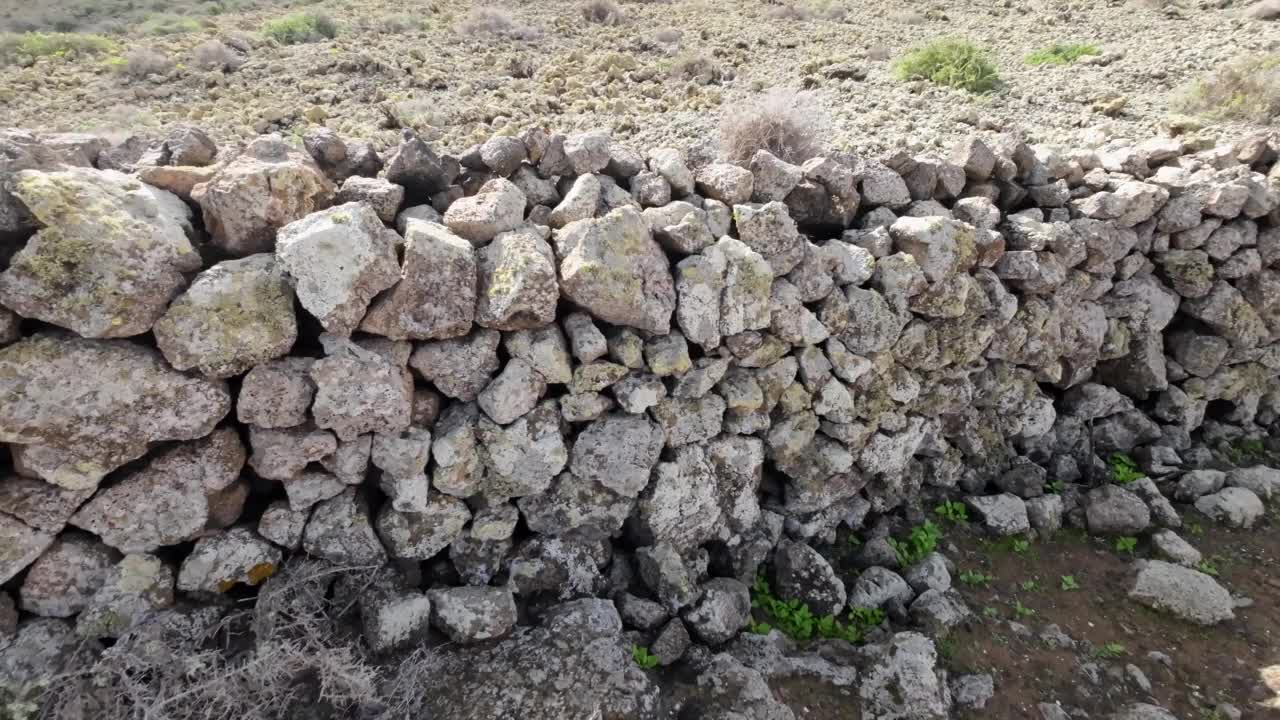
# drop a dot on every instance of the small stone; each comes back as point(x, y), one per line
point(133, 589)
point(276, 394)
point(497, 208)
point(1232, 506)
point(218, 562)
point(461, 367)
point(473, 614)
point(514, 392)
point(1188, 594)
point(64, 578)
point(384, 197)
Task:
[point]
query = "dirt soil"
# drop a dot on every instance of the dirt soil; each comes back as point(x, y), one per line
point(665, 74)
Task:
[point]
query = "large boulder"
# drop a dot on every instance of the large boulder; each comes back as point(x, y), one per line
point(337, 261)
point(612, 267)
point(110, 415)
point(237, 314)
point(109, 256)
point(1185, 593)
point(267, 187)
point(436, 295)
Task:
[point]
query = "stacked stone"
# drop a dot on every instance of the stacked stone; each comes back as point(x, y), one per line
point(558, 368)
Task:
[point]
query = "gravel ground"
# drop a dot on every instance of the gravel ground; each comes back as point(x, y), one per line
point(462, 86)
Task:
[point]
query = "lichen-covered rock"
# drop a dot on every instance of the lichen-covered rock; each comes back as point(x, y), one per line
point(1232, 506)
point(496, 208)
point(392, 618)
point(219, 562)
point(576, 504)
point(517, 287)
point(40, 504)
point(769, 230)
point(337, 261)
point(259, 192)
point(459, 367)
point(237, 314)
point(383, 196)
point(109, 256)
point(277, 394)
point(133, 588)
point(283, 454)
point(523, 457)
point(1112, 510)
point(801, 573)
point(618, 452)
point(689, 420)
point(473, 614)
point(312, 486)
point(514, 392)
point(61, 581)
point(723, 610)
point(340, 531)
point(359, 391)
point(903, 683)
point(679, 506)
point(613, 269)
point(436, 295)
point(421, 535)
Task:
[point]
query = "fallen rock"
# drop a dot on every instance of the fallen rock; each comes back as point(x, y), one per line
point(1232, 506)
point(496, 208)
point(1185, 593)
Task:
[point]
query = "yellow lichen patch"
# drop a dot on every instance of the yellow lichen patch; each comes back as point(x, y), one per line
point(225, 585)
point(261, 572)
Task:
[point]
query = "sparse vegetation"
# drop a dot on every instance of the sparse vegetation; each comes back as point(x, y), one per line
point(990, 612)
point(785, 122)
point(953, 63)
point(165, 24)
point(1030, 585)
point(303, 27)
point(1019, 546)
point(1245, 89)
point(1069, 583)
point(1053, 487)
point(602, 12)
point(1208, 567)
point(1061, 54)
point(1022, 611)
point(922, 540)
point(1123, 468)
point(26, 47)
point(643, 658)
point(1248, 451)
point(952, 510)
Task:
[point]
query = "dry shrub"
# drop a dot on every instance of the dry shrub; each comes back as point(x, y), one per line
point(787, 123)
point(1244, 89)
point(143, 62)
point(789, 12)
point(602, 12)
point(697, 67)
point(495, 21)
point(174, 668)
point(215, 55)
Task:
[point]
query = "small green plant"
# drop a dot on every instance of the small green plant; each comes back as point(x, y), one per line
point(759, 628)
point(1248, 451)
point(1061, 54)
point(1053, 487)
point(976, 578)
point(990, 612)
point(1069, 583)
point(1022, 611)
point(954, 511)
point(950, 62)
point(643, 658)
point(1126, 544)
point(1124, 469)
point(795, 620)
point(1019, 545)
point(1030, 585)
point(922, 540)
point(1196, 529)
point(300, 27)
point(853, 540)
point(1208, 567)
point(946, 648)
point(865, 618)
point(1110, 651)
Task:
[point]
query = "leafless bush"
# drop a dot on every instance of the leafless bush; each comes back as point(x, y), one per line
point(215, 55)
point(785, 122)
point(789, 12)
point(602, 12)
point(496, 21)
point(143, 62)
point(169, 669)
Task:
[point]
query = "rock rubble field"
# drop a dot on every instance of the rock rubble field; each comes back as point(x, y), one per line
point(560, 415)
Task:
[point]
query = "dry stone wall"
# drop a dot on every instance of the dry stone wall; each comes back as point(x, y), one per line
point(557, 367)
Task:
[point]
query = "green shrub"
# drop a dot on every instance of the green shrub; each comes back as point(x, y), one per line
point(643, 658)
point(953, 63)
point(14, 46)
point(301, 27)
point(169, 25)
point(1124, 469)
point(922, 541)
point(1061, 54)
point(1245, 89)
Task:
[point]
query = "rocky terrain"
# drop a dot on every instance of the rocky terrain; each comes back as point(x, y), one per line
point(654, 74)
point(695, 439)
